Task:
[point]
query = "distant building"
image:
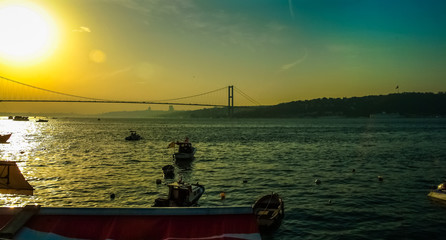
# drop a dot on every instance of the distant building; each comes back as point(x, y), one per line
point(171, 108)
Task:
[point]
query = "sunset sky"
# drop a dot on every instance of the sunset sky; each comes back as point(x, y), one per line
point(273, 50)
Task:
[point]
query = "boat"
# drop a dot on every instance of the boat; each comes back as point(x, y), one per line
point(41, 120)
point(39, 223)
point(439, 193)
point(169, 171)
point(181, 195)
point(269, 211)
point(20, 118)
point(4, 137)
point(185, 150)
point(133, 136)
point(12, 180)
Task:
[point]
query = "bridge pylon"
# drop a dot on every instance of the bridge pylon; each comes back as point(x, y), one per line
point(230, 100)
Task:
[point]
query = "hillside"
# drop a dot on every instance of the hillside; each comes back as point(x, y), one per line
point(404, 104)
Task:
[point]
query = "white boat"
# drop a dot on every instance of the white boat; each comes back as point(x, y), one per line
point(181, 195)
point(439, 193)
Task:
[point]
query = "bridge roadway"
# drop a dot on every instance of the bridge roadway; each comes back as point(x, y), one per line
point(113, 101)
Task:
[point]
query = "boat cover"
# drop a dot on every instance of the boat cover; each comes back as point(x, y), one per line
point(12, 180)
point(148, 223)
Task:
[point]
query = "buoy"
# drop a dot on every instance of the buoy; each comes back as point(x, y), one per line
point(353, 170)
point(222, 195)
point(317, 181)
point(158, 181)
point(329, 201)
point(112, 196)
point(380, 178)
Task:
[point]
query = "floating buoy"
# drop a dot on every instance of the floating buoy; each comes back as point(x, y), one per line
point(317, 181)
point(112, 196)
point(222, 195)
point(380, 178)
point(329, 201)
point(158, 181)
point(353, 170)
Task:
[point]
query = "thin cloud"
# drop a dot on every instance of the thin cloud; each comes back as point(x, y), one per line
point(290, 3)
point(82, 29)
point(295, 63)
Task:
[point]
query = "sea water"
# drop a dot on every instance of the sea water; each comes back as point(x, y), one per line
point(81, 162)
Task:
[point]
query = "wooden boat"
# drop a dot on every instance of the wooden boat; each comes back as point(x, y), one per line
point(38, 223)
point(439, 193)
point(133, 136)
point(269, 211)
point(4, 137)
point(181, 195)
point(12, 180)
point(169, 171)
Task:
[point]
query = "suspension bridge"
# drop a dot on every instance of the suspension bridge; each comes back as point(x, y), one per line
point(15, 91)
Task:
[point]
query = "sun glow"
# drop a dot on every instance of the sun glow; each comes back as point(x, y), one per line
point(27, 33)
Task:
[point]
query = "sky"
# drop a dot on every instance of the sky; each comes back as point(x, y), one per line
point(273, 50)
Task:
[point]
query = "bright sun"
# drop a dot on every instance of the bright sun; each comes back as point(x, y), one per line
point(27, 34)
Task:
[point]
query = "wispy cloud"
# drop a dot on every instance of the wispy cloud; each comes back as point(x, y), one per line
point(82, 29)
point(290, 3)
point(295, 63)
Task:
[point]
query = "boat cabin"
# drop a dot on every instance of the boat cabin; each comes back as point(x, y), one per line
point(185, 147)
point(179, 192)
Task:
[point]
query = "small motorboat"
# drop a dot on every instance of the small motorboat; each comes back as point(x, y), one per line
point(185, 150)
point(181, 195)
point(133, 136)
point(439, 193)
point(42, 120)
point(4, 137)
point(169, 171)
point(269, 211)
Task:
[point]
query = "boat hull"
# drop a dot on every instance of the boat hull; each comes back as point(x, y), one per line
point(135, 223)
point(185, 156)
point(438, 195)
point(4, 138)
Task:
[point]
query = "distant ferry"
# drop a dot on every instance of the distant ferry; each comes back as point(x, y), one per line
point(20, 118)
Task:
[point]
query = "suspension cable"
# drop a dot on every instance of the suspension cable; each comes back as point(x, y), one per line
point(51, 91)
point(247, 97)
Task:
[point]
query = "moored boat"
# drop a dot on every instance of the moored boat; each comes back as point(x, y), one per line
point(35, 222)
point(42, 120)
point(439, 193)
point(4, 137)
point(269, 211)
point(181, 195)
point(169, 171)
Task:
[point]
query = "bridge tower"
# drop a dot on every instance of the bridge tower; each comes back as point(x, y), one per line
point(230, 101)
